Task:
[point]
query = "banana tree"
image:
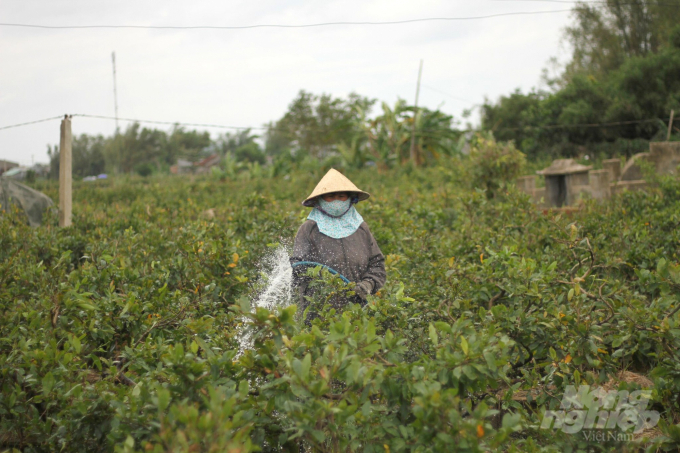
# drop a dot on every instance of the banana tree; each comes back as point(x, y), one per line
point(435, 135)
point(388, 134)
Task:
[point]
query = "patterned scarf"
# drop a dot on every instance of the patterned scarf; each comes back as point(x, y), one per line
point(339, 227)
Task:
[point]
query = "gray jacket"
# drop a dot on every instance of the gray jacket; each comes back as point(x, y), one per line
point(357, 256)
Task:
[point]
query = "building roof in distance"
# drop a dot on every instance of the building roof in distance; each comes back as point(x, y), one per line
point(564, 167)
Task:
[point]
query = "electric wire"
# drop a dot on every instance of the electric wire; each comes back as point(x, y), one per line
point(171, 123)
point(321, 24)
point(208, 125)
point(31, 122)
point(583, 125)
point(221, 126)
point(326, 24)
point(548, 126)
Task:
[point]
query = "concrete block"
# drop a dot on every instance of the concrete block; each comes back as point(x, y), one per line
point(577, 183)
point(620, 186)
point(577, 193)
point(631, 171)
point(666, 156)
point(578, 179)
point(599, 184)
point(613, 166)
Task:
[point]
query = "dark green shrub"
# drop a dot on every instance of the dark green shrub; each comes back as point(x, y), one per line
point(493, 165)
point(144, 169)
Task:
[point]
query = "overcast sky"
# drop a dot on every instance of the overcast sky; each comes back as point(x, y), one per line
point(248, 77)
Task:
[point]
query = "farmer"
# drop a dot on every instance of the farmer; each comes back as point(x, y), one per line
point(335, 235)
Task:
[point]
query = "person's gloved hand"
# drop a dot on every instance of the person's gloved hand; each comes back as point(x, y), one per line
point(364, 288)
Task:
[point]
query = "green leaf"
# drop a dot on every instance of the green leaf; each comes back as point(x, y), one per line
point(433, 335)
point(511, 420)
point(662, 267)
point(618, 341)
point(319, 436)
point(47, 383)
point(464, 344)
point(490, 361)
point(306, 365)
point(75, 342)
point(370, 332)
point(76, 390)
point(206, 348)
point(400, 292)
point(163, 396)
point(243, 388)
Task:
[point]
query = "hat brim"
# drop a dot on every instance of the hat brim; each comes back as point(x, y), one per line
point(334, 182)
point(361, 195)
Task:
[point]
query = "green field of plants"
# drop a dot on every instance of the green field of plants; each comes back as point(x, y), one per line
point(121, 333)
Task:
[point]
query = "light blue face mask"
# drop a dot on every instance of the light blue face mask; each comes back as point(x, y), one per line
point(334, 208)
point(336, 219)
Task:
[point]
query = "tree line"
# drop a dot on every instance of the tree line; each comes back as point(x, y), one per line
point(315, 128)
point(613, 97)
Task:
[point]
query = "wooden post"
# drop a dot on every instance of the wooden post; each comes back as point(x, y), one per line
point(670, 126)
point(414, 157)
point(65, 173)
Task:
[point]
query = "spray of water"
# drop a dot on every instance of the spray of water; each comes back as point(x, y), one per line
point(278, 280)
point(274, 289)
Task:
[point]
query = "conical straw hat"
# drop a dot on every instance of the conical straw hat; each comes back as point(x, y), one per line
point(334, 181)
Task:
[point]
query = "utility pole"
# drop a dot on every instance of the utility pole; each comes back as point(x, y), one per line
point(116, 142)
point(115, 91)
point(414, 157)
point(670, 126)
point(65, 195)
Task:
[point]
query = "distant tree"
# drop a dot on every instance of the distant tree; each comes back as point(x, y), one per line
point(639, 94)
point(136, 146)
point(389, 135)
point(317, 123)
point(87, 156)
point(435, 135)
point(606, 33)
point(514, 117)
point(646, 88)
point(53, 154)
point(190, 145)
point(242, 145)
